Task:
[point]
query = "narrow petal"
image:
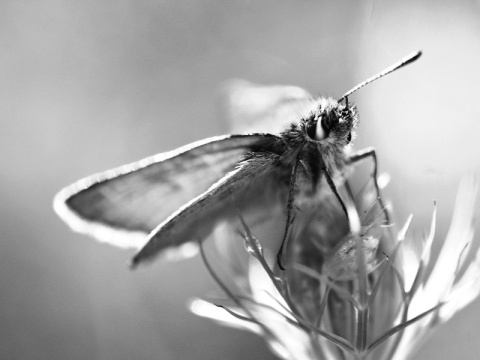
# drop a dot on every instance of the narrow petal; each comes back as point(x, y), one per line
point(208, 310)
point(453, 251)
point(464, 291)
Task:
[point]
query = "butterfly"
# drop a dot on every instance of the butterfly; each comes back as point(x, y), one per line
point(175, 198)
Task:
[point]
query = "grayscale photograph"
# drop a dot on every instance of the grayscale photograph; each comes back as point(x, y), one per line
point(210, 180)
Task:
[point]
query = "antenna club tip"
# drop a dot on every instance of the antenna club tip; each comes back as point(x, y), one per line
point(413, 56)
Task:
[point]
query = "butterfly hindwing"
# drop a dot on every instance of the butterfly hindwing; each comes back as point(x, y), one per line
point(255, 187)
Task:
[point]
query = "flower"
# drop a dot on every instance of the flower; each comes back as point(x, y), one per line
point(335, 302)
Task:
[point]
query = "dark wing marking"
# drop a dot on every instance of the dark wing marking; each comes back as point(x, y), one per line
point(253, 188)
point(251, 107)
point(121, 206)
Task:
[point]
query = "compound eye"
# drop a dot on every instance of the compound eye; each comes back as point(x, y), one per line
point(321, 131)
point(311, 128)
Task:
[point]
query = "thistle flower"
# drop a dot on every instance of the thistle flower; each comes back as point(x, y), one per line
point(335, 302)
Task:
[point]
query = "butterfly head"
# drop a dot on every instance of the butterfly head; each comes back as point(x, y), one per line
point(332, 122)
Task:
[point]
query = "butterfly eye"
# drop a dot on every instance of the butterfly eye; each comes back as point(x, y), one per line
point(316, 129)
point(311, 127)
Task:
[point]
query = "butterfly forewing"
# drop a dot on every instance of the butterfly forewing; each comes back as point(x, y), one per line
point(123, 205)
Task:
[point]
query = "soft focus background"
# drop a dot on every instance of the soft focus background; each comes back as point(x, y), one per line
point(89, 85)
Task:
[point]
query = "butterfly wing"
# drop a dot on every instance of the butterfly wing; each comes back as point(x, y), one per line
point(252, 107)
point(256, 187)
point(123, 205)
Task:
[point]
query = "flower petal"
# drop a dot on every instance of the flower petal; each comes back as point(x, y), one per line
point(453, 251)
point(211, 311)
point(464, 291)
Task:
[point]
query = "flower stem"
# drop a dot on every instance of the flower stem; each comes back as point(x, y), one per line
point(361, 331)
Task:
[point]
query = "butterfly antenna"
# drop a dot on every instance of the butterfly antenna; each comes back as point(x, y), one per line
point(405, 61)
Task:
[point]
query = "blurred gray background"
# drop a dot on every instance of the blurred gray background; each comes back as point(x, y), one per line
point(89, 85)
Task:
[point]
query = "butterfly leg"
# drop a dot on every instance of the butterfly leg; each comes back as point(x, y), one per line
point(332, 186)
point(363, 154)
point(291, 197)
